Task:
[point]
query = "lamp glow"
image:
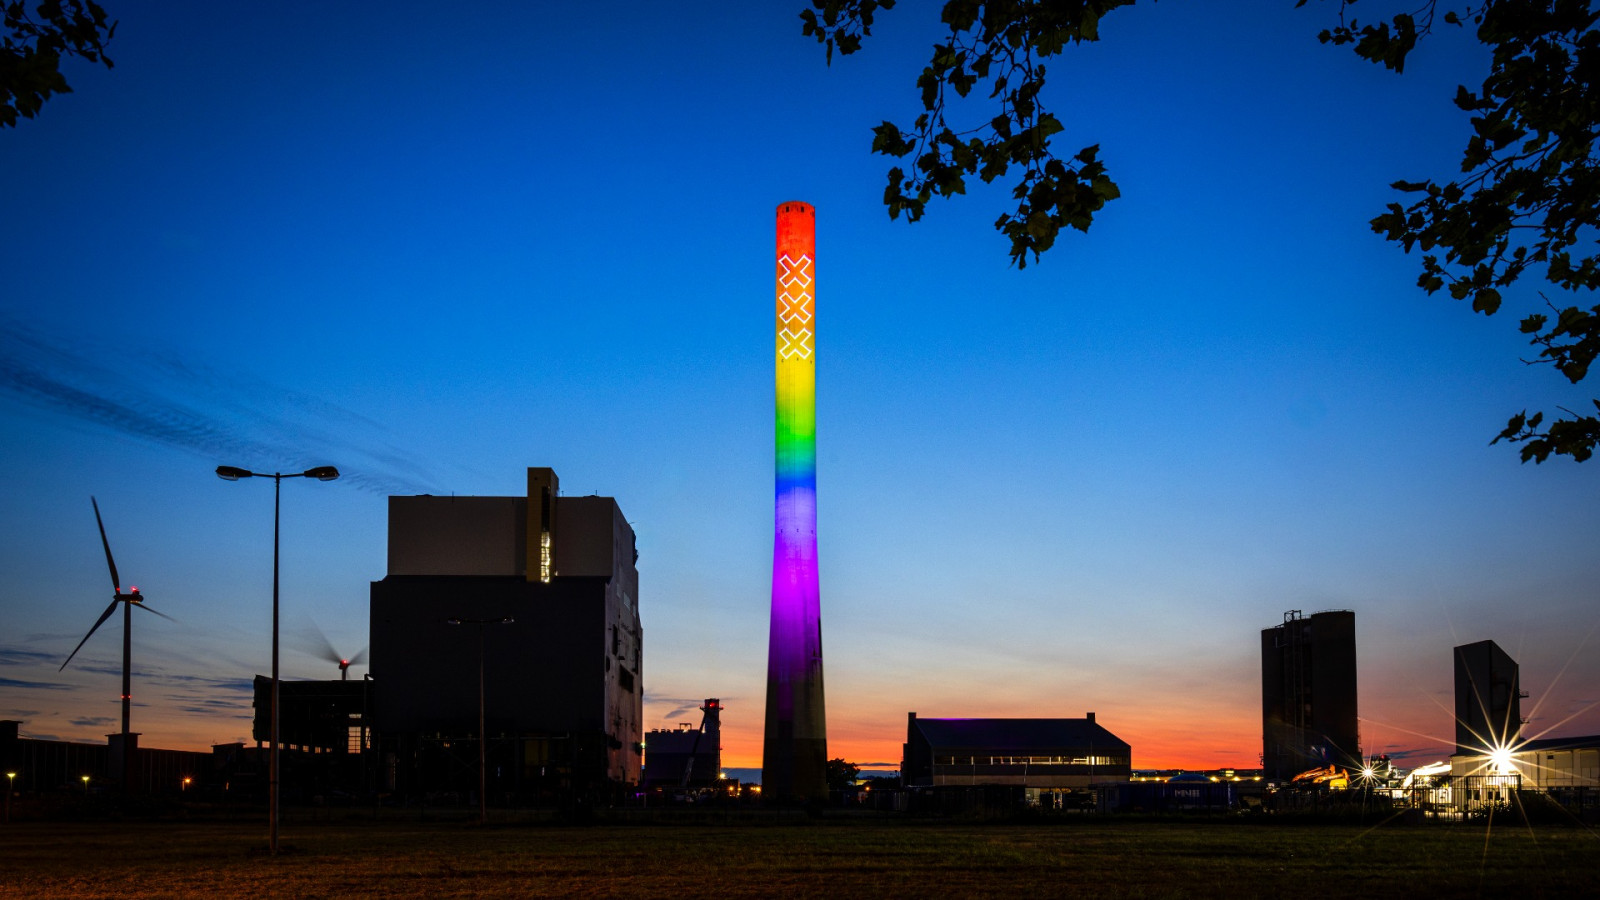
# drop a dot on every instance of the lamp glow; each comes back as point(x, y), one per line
point(795, 748)
point(1500, 761)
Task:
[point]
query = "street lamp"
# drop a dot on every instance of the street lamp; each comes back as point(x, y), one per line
point(86, 785)
point(483, 782)
point(232, 473)
point(11, 785)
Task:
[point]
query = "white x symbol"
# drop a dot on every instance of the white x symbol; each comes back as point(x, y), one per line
point(795, 270)
point(794, 307)
point(795, 343)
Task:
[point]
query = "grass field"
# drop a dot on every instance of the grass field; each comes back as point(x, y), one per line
point(806, 858)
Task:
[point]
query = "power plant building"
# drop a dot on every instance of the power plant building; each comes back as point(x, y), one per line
point(1493, 760)
point(1308, 694)
point(539, 594)
point(1488, 698)
point(1047, 754)
point(686, 756)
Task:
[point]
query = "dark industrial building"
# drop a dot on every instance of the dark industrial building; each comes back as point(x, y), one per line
point(1488, 698)
point(1035, 754)
point(686, 756)
point(1308, 694)
point(539, 596)
point(323, 732)
point(318, 716)
point(44, 766)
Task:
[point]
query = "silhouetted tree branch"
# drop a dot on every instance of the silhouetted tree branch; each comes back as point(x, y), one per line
point(1528, 195)
point(34, 44)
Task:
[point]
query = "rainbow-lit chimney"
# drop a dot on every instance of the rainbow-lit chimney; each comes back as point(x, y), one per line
point(795, 749)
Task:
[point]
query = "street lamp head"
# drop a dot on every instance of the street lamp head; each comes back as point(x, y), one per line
point(321, 473)
point(232, 473)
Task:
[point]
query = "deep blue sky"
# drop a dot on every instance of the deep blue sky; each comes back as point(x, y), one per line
point(434, 246)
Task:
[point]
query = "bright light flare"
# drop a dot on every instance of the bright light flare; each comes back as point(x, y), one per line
point(1501, 762)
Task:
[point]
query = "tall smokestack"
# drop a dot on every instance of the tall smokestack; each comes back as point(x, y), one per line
point(795, 749)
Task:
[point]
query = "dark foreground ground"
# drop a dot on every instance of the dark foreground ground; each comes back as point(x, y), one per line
point(801, 858)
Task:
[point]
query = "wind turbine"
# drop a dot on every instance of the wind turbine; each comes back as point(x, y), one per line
point(129, 600)
point(326, 650)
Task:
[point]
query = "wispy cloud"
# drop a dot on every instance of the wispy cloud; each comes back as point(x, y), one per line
point(11, 656)
point(93, 722)
point(679, 706)
point(201, 410)
point(34, 685)
point(213, 713)
point(202, 682)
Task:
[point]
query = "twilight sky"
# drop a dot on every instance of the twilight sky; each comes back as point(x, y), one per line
point(434, 246)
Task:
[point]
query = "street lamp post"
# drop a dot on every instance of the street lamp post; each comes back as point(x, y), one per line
point(11, 786)
point(483, 782)
point(231, 473)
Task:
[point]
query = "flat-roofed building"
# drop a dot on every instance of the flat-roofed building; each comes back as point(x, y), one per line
point(1553, 764)
point(1049, 754)
point(542, 592)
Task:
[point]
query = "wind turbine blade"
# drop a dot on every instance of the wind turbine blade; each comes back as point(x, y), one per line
point(115, 584)
point(324, 648)
point(156, 611)
point(359, 658)
point(97, 623)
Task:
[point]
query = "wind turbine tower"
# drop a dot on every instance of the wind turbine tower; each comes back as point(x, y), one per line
point(126, 748)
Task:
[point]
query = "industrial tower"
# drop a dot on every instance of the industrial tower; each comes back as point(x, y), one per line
point(1308, 694)
point(795, 749)
point(1488, 699)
